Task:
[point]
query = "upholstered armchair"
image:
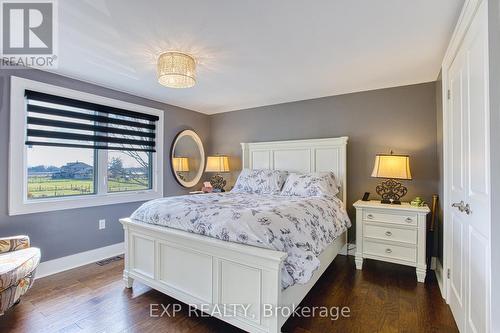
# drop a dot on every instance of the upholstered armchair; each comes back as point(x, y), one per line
point(18, 262)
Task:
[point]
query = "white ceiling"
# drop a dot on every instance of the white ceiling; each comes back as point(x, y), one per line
point(254, 53)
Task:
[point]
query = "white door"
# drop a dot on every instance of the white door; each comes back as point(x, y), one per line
point(458, 245)
point(469, 192)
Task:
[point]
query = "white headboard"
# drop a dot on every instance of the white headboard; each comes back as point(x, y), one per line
point(314, 155)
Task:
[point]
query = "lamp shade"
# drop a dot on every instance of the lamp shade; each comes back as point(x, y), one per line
point(217, 164)
point(392, 166)
point(180, 164)
point(176, 70)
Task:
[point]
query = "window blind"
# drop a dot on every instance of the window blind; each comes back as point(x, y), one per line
point(65, 122)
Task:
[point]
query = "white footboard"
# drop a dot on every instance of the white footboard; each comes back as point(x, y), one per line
point(206, 272)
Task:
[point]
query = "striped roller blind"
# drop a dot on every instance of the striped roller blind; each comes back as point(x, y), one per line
point(65, 122)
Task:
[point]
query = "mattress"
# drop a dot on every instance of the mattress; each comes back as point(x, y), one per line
point(300, 226)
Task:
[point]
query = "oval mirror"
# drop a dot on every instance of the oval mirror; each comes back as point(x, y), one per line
point(187, 158)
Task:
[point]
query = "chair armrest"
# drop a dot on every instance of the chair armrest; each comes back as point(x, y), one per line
point(9, 244)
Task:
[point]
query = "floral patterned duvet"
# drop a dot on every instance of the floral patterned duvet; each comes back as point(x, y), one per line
point(302, 227)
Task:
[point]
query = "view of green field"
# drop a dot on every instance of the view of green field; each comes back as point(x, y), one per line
point(41, 187)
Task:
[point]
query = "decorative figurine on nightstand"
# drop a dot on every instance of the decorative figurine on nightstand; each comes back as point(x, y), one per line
point(207, 187)
point(391, 167)
point(217, 164)
point(417, 202)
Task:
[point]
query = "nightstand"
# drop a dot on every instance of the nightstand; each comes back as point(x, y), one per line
point(392, 233)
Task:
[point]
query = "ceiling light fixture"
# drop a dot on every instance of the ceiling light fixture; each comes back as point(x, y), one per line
point(176, 70)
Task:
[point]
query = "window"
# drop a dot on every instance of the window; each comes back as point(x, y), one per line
point(129, 171)
point(70, 149)
point(60, 171)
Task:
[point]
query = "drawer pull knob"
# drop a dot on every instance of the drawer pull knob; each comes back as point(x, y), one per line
point(409, 219)
point(370, 216)
point(388, 233)
point(388, 251)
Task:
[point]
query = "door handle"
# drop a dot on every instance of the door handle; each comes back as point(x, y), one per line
point(460, 205)
point(467, 209)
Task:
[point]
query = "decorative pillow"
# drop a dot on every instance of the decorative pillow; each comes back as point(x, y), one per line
point(311, 184)
point(260, 181)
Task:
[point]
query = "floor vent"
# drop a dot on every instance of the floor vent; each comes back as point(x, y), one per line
point(109, 260)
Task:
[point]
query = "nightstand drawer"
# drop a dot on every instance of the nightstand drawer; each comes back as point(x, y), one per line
point(403, 218)
point(390, 251)
point(389, 233)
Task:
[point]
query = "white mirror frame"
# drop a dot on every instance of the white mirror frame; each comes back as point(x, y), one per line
point(199, 143)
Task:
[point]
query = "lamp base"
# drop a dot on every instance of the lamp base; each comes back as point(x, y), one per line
point(391, 191)
point(218, 182)
point(388, 202)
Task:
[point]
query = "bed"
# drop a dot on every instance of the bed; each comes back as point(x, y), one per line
point(211, 274)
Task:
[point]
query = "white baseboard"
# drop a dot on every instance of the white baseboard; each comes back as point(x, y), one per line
point(54, 266)
point(437, 267)
point(439, 277)
point(433, 263)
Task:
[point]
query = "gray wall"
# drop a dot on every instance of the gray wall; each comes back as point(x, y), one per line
point(66, 232)
point(494, 57)
point(402, 119)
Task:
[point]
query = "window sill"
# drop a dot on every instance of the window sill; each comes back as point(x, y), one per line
point(73, 202)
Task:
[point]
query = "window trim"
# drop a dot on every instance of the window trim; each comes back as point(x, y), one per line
point(18, 174)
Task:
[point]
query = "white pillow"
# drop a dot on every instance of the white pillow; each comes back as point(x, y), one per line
point(310, 184)
point(260, 181)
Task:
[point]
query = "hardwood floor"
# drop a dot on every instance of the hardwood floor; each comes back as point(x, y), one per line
point(382, 298)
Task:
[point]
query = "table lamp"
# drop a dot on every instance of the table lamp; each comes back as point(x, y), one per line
point(217, 164)
point(391, 167)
